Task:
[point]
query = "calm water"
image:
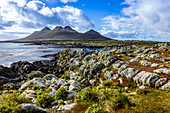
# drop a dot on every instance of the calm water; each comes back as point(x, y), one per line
point(13, 52)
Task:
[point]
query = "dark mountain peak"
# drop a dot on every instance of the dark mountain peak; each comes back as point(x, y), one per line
point(69, 29)
point(46, 29)
point(91, 31)
point(58, 28)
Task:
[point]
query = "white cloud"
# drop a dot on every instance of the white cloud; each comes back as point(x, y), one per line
point(148, 18)
point(66, 1)
point(30, 16)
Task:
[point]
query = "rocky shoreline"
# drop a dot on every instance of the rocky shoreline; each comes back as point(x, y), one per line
point(75, 70)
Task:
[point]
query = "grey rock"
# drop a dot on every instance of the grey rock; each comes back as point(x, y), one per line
point(32, 108)
point(145, 63)
point(66, 107)
point(49, 77)
point(74, 85)
point(135, 60)
point(96, 67)
point(72, 94)
point(129, 72)
point(160, 82)
point(38, 81)
point(162, 70)
point(157, 57)
point(166, 86)
point(116, 66)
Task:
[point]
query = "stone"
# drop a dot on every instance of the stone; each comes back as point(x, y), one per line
point(74, 85)
point(155, 65)
point(157, 57)
point(162, 70)
point(123, 67)
point(71, 94)
point(66, 107)
point(135, 60)
point(96, 67)
point(166, 86)
point(38, 81)
point(49, 77)
point(108, 74)
point(129, 72)
point(145, 63)
point(116, 66)
point(32, 108)
point(160, 82)
point(146, 78)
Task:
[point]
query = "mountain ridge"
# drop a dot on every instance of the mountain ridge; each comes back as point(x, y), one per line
point(64, 33)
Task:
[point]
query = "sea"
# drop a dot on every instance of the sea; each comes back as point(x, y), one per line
point(13, 52)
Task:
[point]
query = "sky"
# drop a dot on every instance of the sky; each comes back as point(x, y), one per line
point(116, 19)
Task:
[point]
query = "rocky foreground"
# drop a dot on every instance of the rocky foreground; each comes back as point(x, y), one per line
point(74, 76)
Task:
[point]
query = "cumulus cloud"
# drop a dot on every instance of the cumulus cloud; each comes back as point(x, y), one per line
point(28, 16)
point(66, 1)
point(148, 18)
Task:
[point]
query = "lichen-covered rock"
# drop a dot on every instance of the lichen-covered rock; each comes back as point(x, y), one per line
point(162, 70)
point(155, 65)
point(145, 63)
point(96, 67)
point(106, 57)
point(156, 57)
point(49, 77)
point(135, 60)
point(108, 74)
point(38, 81)
point(35, 74)
point(160, 82)
point(74, 85)
point(123, 67)
point(66, 107)
point(129, 72)
point(116, 66)
point(71, 94)
point(146, 78)
point(32, 108)
point(166, 86)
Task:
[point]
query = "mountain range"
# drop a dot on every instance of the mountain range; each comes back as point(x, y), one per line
point(64, 33)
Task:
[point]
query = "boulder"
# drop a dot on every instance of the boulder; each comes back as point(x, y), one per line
point(146, 78)
point(32, 108)
point(162, 70)
point(22, 67)
point(74, 85)
point(135, 60)
point(160, 82)
point(66, 107)
point(129, 72)
point(116, 66)
point(166, 86)
point(49, 77)
point(96, 67)
point(71, 94)
point(145, 63)
point(38, 81)
point(157, 57)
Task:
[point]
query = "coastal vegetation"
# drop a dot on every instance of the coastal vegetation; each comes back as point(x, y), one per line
point(132, 78)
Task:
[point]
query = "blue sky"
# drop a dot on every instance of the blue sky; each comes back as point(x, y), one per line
point(117, 19)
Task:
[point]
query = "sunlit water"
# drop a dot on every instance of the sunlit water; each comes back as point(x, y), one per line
point(13, 52)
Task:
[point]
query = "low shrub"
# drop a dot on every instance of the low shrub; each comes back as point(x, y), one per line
point(87, 95)
point(117, 102)
point(108, 83)
point(10, 103)
point(141, 91)
point(5, 109)
point(95, 108)
point(35, 74)
point(62, 93)
point(44, 100)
